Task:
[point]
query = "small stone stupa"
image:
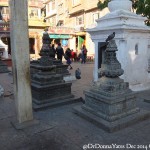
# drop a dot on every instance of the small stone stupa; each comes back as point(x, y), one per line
point(48, 88)
point(60, 67)
point(110, 103)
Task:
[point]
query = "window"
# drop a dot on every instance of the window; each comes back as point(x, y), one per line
point(53, 21)
point(60, 8)
point(5, 10)
point(34, 13)
point(79, 20)
point(48, 7)
point(60, 23)
point(75, 2)
point(136, 49)
point(53, 4)
point(95, 17)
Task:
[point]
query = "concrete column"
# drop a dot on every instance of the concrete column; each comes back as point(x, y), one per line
point(20, 56)
point(95, 71)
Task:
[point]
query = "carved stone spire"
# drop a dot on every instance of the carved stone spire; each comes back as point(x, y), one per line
point(45, 60)
point(111, 66)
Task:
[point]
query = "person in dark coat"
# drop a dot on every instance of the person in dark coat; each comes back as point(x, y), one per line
point(59, 52)
point(68, 57)
point(83, 54)
point(53, 51)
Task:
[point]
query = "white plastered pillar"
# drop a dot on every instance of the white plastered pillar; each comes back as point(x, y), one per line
point(20, 56)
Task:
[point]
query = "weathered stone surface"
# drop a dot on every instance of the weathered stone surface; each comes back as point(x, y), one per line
point(110, 103)
point(112, 126)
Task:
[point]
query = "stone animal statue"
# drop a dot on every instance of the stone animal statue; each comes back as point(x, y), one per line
point(110, 37)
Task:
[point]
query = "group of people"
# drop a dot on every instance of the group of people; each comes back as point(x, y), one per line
point(69, 54)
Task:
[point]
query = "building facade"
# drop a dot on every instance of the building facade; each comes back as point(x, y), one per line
point(36, 25)
point(67, 21)
point(76, 14)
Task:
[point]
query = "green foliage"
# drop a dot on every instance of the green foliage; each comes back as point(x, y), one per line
point(140, 6)
point(102, 5)
point(143, 7)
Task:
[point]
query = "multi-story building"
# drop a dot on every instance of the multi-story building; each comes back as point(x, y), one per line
point(76, 14)
point(36, 24)
point(56, 15)
point(67, 21)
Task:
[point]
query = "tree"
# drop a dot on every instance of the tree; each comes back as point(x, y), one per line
point(139, 6)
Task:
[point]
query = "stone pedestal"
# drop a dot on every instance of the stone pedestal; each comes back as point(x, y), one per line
point(48, 87)
point(132, 39)
point(110, 103)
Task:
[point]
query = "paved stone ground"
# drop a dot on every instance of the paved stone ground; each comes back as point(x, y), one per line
point(60, 128)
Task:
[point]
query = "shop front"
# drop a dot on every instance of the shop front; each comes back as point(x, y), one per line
point(62, 35)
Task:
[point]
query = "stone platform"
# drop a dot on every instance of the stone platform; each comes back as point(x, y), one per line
point(55, 102)
point(113, 126)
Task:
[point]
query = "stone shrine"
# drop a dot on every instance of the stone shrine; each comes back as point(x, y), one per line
point(60, 67)
point(110, 103)
point(48, 88)
point(132, 39)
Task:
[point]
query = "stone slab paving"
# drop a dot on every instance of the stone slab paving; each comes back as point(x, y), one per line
point(61, 129)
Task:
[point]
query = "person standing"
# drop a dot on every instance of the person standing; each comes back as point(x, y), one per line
point(83, 54)
point(72, 55)
point(53, 51)
point(68, 57)
point(59, 52)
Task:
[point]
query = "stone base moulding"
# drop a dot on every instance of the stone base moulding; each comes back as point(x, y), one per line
point(114, 125)
point(147, 100)
point(20, 126)
point(51, 103)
